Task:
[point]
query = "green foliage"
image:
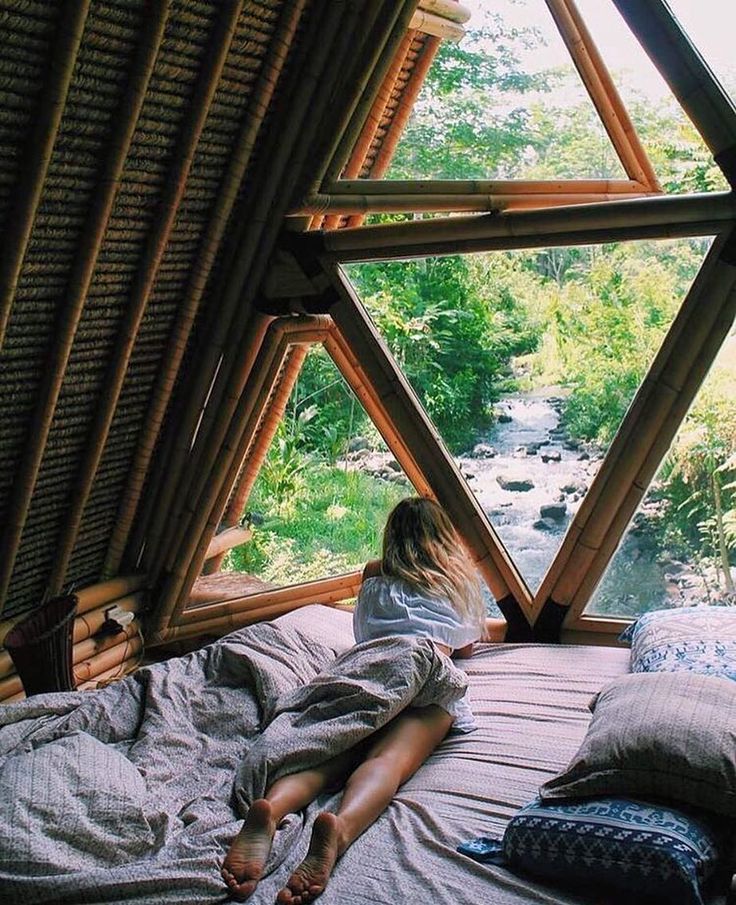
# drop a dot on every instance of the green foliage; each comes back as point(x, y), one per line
point(453, 325)
point(332, 525)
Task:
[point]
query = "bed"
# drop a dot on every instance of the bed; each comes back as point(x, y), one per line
point(126, 794)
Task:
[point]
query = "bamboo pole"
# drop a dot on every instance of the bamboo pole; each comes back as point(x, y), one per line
point(116, 672)
point(324, 590)
point(647, 430)
point(683, 68)
point(372, 123)
point(86, 670)
point(267, 368)
point(259, 447)
point(664, 216)
point(238, 163)
point(145, 278)
point(116, 590)
point(217, 372)
point(76, 293)
point(227, 539)
point(161, 511)
point(337, 206)
point(385, 48)
point(419, 187)
point(191, 549)
point(603, 93)
point(72, 19)
point(428, 450)
point(438, 26)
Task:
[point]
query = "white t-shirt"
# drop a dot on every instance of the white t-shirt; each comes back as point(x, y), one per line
point(391, 606)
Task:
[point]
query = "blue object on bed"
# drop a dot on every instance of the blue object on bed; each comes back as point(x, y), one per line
point(633, 846)
point(699, 639)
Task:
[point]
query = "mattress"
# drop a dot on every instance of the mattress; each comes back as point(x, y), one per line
point(126, 794)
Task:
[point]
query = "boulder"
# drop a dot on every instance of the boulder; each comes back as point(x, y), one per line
point(519, 485)
point(552, 455)
point(554, 511)
point(483, 451)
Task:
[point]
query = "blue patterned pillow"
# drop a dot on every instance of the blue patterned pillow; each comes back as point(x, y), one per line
point(699, 639)
point(634, 846)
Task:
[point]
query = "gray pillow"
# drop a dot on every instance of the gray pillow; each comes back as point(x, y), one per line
point(660, 735)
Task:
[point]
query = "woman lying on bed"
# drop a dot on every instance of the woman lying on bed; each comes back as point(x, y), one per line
point(425, 586)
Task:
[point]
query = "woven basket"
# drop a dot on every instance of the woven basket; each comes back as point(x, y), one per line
point(41, 646)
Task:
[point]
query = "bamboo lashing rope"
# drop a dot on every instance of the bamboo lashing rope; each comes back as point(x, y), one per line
point(72, 18)
point(144, 281)
point(260, 100)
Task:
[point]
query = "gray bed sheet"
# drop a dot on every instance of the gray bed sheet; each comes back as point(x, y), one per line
point(177, 768)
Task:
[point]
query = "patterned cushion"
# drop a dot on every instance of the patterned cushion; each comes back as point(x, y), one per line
point(698, 639)
point(661, 735)
point(634, 846)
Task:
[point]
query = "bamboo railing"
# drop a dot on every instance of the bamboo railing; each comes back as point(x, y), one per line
point(259, 103)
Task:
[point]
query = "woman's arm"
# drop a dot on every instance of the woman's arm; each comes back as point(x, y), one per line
point(462, 653)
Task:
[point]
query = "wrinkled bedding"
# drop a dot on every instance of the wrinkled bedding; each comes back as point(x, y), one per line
point(134, 793)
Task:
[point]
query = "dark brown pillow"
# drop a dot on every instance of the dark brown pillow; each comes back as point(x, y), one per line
point(662, 735)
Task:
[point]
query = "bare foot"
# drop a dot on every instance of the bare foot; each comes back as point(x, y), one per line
point(309, 879)
point(247, 855)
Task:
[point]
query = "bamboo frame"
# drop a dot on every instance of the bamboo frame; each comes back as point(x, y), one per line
point(227, 539)
point(437, 465)
point(76, 293)
point(325, 590)
point(217, 380)
point(446, 9)
point(145, 278)
point(38, 155)
point(645, 434)
point(116, 672)
point(86, 670)
point(263, 92)
point(205, 504)
point(658, 217)
point(708, 106)
point(603, 93)
point(259, 447)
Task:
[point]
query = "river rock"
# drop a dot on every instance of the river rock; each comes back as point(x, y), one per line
point(357, 444)
point(393, 465)
point(552, 455)
point(483, 451)
point(573, 487)
point(544, 524)
point(584, 456)
point(515, 484)
point(554, 511)
point(503, 417)
point(571, 444)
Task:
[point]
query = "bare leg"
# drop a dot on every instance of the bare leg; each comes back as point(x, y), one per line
point(396, 754)
point(246, 857)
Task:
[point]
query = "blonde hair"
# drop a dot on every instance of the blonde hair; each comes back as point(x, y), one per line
point(421, 546)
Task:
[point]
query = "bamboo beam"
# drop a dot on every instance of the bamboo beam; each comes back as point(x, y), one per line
point(350, 205)
point(217, 382)
point(72, 18)
point(190, 549)
point(145, 278)
point(227, 539)
point(446, 9)
point(92, 597)
point(603, 93)
point(372, 123)
point(259, 103)
point(438, 466)
point(116, 672)
point(646, 431)
point(370, 187)
point(259, 447)
point(81, 275)
point(325, 590)
point(665, 216)
point(701, 95)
